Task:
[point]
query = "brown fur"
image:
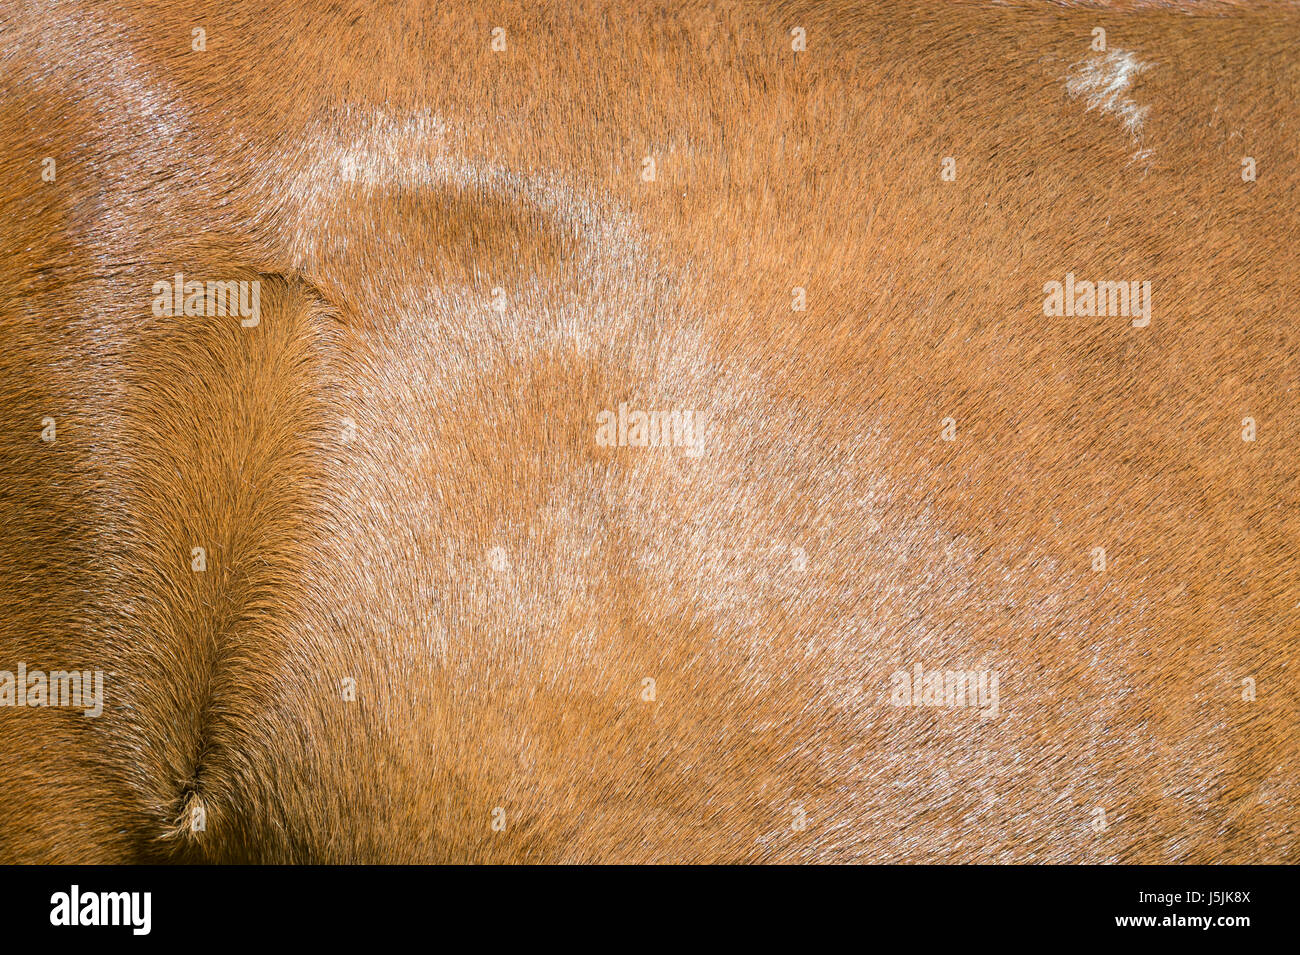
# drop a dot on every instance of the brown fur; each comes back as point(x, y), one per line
point(380, 169)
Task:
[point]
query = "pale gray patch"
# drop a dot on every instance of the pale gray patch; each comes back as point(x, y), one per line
point(1103, 82)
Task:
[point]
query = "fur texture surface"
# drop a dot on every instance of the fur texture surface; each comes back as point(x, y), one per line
point(440, 620)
